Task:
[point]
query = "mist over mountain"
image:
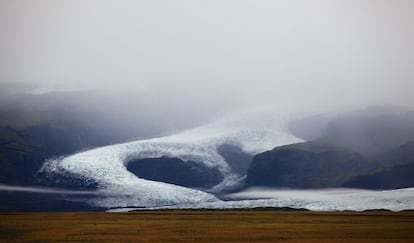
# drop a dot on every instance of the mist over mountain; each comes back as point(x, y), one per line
point(371, 131)
point(36, 127)
point(369, 148)
point(326, 54)
point(173, 103)
point(250, 147)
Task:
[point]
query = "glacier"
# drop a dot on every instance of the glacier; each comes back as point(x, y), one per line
point(337, 199)
point(253, 130)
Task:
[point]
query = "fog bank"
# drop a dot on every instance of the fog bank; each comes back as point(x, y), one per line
point(188, 57)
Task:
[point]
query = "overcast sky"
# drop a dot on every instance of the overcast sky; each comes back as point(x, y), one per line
point(213, 53)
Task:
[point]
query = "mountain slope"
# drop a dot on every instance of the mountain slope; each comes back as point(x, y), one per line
point(307, 165)
point(399, 172)
point(36, 127)
point(400, 176)
point(252, 131)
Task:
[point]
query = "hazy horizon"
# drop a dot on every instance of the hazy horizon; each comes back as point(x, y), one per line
point(188, 57)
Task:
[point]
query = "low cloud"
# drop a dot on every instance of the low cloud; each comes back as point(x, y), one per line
point(47, 190)
point(185, 58)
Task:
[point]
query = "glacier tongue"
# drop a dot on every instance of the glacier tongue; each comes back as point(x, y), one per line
point(338, 199)
point(254, 131)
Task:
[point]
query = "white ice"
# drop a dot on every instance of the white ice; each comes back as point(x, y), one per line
point(254, 131)
point(338, 199)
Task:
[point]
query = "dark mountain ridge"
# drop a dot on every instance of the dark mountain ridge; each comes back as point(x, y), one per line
point(372, 148)
point(307, 165)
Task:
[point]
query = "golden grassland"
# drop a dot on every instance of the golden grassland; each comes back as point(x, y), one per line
point(208, 226)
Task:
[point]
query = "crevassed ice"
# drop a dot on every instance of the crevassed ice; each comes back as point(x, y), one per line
point(254, 131)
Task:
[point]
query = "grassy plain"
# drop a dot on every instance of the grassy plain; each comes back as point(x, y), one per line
point(208, 226)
